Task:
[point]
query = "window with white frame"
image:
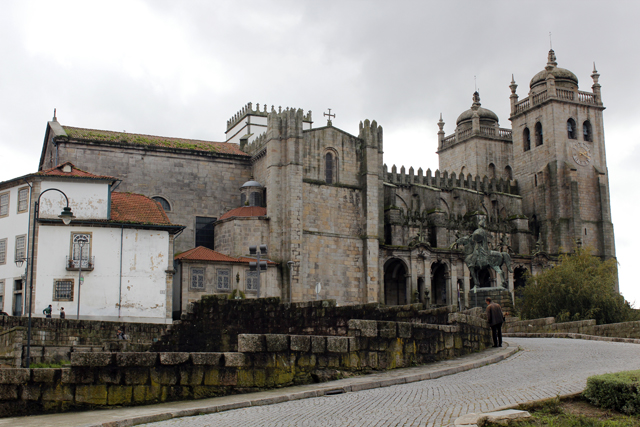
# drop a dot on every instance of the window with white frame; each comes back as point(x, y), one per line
point(4, 204)
point(80, 250)
point(197, 279)
point(252, 280)
point(223, 280)
point(63, 290)
point(23, 199)
point(21, 247)
point(3, 251)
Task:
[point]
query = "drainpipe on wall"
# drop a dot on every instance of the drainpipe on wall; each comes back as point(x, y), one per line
point(120, 285)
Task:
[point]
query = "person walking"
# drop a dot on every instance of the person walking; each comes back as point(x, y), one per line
point(495, 319)
point(47, 312)
point(62, 313)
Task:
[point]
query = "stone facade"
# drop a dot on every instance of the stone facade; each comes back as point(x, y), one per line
point(368, 233)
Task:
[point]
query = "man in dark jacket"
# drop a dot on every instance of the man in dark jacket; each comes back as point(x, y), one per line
point(495, 318)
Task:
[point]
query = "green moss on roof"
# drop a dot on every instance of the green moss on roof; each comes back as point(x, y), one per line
point(150, 140)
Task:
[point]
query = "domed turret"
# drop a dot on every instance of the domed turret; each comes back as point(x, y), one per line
point(487, 117)
point(562, 76)
point(251, 194)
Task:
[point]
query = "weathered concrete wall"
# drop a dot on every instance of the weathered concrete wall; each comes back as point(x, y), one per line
point(264, 361)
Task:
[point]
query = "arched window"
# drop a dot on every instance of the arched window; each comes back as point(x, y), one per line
point(526, 137)
point(328, 168)
point(492, 171)
point(538, 134)
point(508, 172)
point(163, 202)
point(586, 131)
point(571, 129)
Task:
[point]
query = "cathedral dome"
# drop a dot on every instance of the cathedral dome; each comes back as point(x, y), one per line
point(561, 75)
point(483, 113)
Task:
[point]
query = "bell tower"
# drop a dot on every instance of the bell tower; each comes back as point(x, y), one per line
point(560, 163)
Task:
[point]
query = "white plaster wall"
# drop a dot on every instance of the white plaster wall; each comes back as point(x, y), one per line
point(15, 224)
point(87, 200)
point(143, 294)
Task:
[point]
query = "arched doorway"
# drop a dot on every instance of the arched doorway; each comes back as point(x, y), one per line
point(395, 282)
point(439, 283)
point(519, 281)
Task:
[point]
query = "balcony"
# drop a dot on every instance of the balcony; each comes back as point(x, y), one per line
point(74, 264)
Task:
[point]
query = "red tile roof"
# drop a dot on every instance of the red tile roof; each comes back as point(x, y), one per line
point(151, 140)
point(136, 208)
point(245, 211)
point(205, 254)
point(74, 172)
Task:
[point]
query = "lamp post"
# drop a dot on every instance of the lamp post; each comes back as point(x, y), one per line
point(66, 216)
point(81, 241)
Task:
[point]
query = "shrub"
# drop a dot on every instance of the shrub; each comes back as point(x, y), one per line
point(580, 287)
point(619, 391)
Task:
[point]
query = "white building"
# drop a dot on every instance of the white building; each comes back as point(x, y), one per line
point(119, 247)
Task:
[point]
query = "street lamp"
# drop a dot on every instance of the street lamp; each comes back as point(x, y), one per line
point(66, 216)
point(81, 241)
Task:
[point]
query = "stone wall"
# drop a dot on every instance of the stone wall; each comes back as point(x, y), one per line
point(265, 361)
point(55, 339)
point(214, 323)
point(585, 327)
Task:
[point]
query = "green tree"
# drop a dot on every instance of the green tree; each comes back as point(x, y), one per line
point(580, 287)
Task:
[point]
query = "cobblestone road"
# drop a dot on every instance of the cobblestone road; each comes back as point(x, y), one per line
point(547, 367)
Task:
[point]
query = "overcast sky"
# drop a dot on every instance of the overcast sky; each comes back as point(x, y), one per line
point(183, 68)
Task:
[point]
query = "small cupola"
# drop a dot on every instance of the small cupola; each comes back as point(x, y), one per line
point(251, 194)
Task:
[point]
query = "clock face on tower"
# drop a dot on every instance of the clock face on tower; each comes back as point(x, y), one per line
point(581, 153)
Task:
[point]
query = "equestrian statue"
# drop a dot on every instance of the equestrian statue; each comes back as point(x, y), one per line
point(478, 255)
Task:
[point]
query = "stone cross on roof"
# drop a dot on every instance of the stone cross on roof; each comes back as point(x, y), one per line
point(329, 115)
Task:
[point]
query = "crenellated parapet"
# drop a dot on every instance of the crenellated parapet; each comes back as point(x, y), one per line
point(445, 181)
point(371, 134)
point(489, 132)
point(249, 110)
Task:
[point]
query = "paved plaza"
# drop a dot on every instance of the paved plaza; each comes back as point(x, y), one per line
point(545, 368)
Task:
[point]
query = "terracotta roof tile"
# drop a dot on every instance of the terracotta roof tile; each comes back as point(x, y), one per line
point(74, 172)
point(151, 140)
point(245, 211)
point(136, 208)
point(205, 254)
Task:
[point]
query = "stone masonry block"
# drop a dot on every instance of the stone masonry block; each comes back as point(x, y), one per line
point(9, 392)
point(337, 344)
point(60, 393)
point(109, 375)
point(212, 359)
point(92, 394)
point(251, 343)
point(14, 376)
point(91, 359)
point(119, 394)
point(31, 392)
point(135, 376)
point(404, 330)
point(318, 344)
point(164, 375)
point(77, 375)
point(387, 329)
point(44, 375)
point(136, 359)
point(277, 342)
point(191, 375)
point(300, 343)
point(176, 358)
point(236, 360)
point(367, 328)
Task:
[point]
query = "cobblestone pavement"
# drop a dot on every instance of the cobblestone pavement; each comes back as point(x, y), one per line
point(547, 367)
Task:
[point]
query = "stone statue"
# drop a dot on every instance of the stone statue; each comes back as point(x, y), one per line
point(479, 256)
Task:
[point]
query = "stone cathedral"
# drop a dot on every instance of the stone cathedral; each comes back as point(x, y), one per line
point(333, 214)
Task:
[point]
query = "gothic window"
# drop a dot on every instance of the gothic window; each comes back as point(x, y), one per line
point(21, 246)
point(80, 250)
point(23, 199)
point(204, 231)
point(492, 171)
point(197, 279)
point(252, 280)
point(223, 280)
point(539, 134)
point(4, 204)
point(163, 202)
point(508, 172)
point(586, 131)
point(571, 129)
point(328, 168)
point(526, 137)
point(63, 290)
